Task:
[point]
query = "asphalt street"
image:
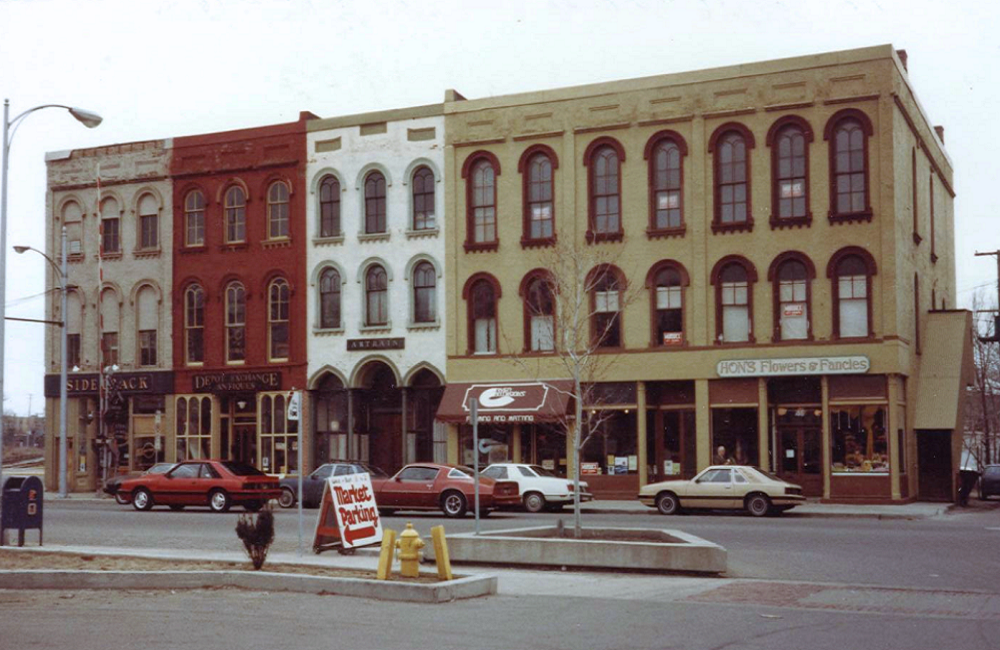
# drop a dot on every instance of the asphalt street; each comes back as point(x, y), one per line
point(957, 550)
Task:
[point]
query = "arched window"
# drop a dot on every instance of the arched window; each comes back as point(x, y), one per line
point(423, 199)
point(375, 203)
point(329, 207)
point(790, 173)
point(149, 223)
point(110, 320)
point(848, 132)
point(376, 296)
point(481, 299)
point(667, 305)
point(329, 299)
point(277, 210)
point(194, 218)
point(236, 323)
point(74, 325)
point(147, 324)
point(72, 216)
point(733, 278)
point(236, 215)
point(424, 293)
point(732, 181)
point(483, 203)
point(605, 192)
point(665, 183)
point(852, 297)
point(539, 212)
point(110, 227)
point(539, 314)
point(792, 298)
point(194, 325)
point(605, 304)
point(277, 320)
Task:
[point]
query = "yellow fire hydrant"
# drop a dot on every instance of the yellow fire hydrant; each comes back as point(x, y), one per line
point(409, 545)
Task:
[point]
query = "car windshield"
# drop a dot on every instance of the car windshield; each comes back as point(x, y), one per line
point(375, 472)
point(752, 471)
point(241, 469)
point(160, 468)
point(541, 471)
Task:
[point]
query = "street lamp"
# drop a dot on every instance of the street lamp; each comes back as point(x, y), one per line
point(64, 286)
point(89, 120)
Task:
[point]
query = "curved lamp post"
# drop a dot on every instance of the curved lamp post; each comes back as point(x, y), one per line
point(64, 324)
point(89, 120)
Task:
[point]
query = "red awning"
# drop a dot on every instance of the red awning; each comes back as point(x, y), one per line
point(515, 402)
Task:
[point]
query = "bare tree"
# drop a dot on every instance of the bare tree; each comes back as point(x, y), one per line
point(574, 310)
point(982, 424)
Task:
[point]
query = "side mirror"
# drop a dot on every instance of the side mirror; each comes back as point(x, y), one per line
point(398, 479)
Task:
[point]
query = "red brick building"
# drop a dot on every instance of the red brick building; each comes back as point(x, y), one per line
point(238, 304)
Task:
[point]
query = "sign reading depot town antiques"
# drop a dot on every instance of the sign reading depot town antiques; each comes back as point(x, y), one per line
point(500, 403)
point(235, 382)
point(787, 367)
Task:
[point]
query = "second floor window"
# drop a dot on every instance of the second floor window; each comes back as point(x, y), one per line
point(147, 324)
point(73, 350)
point(735, 318)
point(853, 302)
point(539, 207)
point(375, 203)
point(236, 323)
point(376, 296)
point(424, 293)
point(109, 348)
point(329, 299)
point(277, 210)
point(484, 318)
point(668, 307)
point(606, 305)
point(423, 199)
point(147, 347)
point(110, 227)
point(792, 293)
point(194, 324)
point(277, 320)
point(194, 219)
point(539, 315)
point(329, 207)
point(236, 215)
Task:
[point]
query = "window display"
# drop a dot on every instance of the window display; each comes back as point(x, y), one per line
point(859, 439)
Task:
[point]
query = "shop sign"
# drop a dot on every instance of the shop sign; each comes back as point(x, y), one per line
point(590, 468)
point(376, 344)
point(235, 382)
point(506, 403)
point(122, 382)
point(800, 366)
point(673, 338)
point(355, 508)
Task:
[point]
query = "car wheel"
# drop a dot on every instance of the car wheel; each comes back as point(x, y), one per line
point(453, 504)
point(253, 506)
point(287, 498)
point(219, 501)
point(758, 505)
point(142, 499)
point(668, 503)
point(176, 507)
point(534, 502)
point(120, 498)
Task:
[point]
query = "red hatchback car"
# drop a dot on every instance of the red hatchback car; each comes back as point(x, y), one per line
point(435, 486)
point(217, 484)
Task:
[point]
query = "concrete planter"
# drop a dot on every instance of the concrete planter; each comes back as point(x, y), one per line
point(609, 548)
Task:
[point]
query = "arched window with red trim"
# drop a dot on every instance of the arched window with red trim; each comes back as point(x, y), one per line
point(734, 278)
point(848, 132)
point(730, 146)
point(852, 297)
point(539, 313)
point(791, 275)
point(666, 282)
point(539, 205)
point(789, 140)
point(483, 317)
point(606, 286)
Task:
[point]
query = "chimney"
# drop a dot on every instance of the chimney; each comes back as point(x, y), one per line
point(902, 58)
point(940, 131)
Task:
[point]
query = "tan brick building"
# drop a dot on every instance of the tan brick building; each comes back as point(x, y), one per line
point(778, 274)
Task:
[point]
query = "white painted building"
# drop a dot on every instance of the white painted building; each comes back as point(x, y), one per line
point(376, 345)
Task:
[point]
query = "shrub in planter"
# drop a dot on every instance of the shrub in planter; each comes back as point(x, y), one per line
point(257, 534)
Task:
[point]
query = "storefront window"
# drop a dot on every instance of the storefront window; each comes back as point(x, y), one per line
point(545, 445)
point(194, 428)
point(734, 437)
point(859, 438)
point(494, 445)
point(279, 445)
point(670, 444)
point(612, 447)
point(331, 420)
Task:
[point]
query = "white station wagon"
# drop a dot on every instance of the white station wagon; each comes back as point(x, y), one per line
point(539, 488)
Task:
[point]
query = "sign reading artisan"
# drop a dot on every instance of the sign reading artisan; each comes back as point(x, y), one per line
point(376, 344)
point(501, 403)
point(788, 367)
point(234, 382)
point(354, 505)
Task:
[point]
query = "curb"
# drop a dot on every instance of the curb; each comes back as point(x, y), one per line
point(441, 592)
point(792, 514)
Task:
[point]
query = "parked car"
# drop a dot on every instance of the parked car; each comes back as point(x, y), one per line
point(724, 487)
point(436, 486)
point(312, 485)
point(989, 484)
point(539, 488)
point(112, 485)
point(217, 484)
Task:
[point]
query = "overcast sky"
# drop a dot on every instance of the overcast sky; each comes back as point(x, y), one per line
point(157, 69)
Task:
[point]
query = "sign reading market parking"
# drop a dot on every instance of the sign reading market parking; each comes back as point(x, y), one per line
point(352, 501)
point(790, 367)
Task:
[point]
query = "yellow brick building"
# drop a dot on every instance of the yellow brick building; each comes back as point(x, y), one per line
point(775, 244)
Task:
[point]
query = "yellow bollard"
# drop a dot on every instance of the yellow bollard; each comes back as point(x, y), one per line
point(441, 553)
point(409, 545)
point(385, 555)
